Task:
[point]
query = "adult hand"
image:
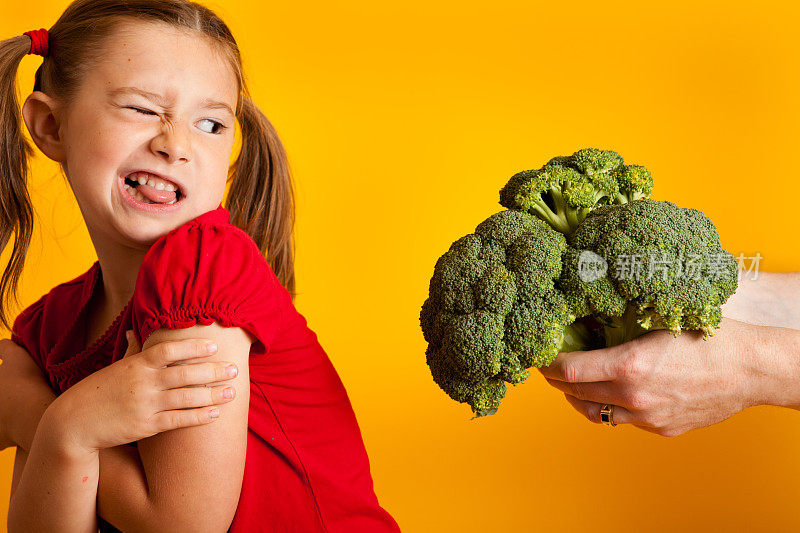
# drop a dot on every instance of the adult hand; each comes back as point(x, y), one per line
point(669, 385)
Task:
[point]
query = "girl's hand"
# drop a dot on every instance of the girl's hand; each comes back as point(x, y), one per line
point(669, 385)
point(141, 395)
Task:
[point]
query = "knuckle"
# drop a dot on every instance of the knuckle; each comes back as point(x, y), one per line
point(168, 350)
point(578, 390)
point(184, 373)
point(651, 419)
point(569, 372)
point(173, 420)
point(137, 384)
point(186, 396)
point(157, 423)
point(632, 366)
point(592, 414)
point(637, 400)
point(169, 421)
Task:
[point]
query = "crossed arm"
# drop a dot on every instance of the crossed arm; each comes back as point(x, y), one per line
point(165, 482)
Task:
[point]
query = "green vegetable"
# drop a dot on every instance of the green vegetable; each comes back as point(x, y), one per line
point(566, 189)
point(494, 309)
point(584, 260)
point(666, 270)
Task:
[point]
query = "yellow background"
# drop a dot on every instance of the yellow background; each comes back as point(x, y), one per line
point(402, 122)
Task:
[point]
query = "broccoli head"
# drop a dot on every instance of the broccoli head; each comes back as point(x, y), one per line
point(566, 189)
point(648, 265)
point(494, 310)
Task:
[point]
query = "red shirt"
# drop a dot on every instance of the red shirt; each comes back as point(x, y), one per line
point(306, 468)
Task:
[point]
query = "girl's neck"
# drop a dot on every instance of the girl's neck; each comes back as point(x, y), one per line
point(119, 267)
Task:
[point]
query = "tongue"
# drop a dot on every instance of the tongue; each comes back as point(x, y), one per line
point(154, 195)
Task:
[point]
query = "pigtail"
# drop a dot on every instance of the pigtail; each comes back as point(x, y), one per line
point(16, 210)
point(261, 199)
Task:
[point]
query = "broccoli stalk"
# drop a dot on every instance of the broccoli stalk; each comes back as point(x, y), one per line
point(550, 201)
point(617, 330)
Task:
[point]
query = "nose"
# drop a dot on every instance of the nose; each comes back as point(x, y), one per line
point(172, 143)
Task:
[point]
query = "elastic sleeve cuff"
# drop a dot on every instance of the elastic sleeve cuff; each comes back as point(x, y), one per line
point(186, 317)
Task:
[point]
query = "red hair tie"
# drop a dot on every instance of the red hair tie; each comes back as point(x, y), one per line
point(39, 40)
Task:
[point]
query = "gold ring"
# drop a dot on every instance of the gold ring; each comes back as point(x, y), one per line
point(607, 415)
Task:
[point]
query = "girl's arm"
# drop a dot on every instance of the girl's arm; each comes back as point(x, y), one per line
point(58, 489)
point(195, 474)
point(772, 299)
point(24, 395)
point(139, 491)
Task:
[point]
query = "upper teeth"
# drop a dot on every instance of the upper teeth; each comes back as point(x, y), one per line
point(153, 181)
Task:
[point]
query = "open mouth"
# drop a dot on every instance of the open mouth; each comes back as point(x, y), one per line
point(149, 189)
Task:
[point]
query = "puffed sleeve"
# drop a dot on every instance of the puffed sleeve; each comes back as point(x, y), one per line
point(202, 273)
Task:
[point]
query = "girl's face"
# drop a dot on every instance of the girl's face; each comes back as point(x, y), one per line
point(158, 100)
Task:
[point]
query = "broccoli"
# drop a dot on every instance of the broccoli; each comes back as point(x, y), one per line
point(494, 309)
point(581, 259)
point(566, 189)
point(667, 270)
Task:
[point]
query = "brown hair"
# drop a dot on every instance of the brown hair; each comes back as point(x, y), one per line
point(260, 198)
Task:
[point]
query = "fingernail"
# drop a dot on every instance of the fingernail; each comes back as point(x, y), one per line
point(214, 413)
point(232, 370)
point(228, 393)
point(212, 347)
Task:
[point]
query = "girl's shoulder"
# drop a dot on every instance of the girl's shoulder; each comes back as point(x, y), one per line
point(207, 270)
point(209, 237)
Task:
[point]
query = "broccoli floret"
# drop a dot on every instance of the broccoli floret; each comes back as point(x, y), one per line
point(566, 189)
point(660, 267)
point(635, 182)
point(494, 310)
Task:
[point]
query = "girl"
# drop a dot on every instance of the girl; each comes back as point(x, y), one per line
point(137, 102)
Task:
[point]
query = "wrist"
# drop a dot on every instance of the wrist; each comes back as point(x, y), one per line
point(774, 368)
point(769, 300)
point(59, 428)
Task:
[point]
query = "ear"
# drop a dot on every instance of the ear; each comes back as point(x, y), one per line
point(42, 118)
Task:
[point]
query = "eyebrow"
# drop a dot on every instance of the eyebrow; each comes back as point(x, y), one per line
point(208, 103)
